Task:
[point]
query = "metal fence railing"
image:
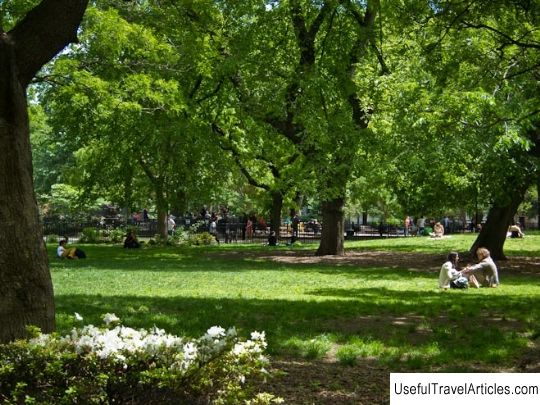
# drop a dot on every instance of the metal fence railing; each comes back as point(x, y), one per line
point(234, 231)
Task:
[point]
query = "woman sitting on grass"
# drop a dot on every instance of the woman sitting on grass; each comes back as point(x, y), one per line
point(450, 277)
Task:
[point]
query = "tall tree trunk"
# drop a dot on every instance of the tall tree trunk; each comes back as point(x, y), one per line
point(26, 292)
point(493, 233)
point(275, 211)
point(332, 237)
point(538, 200)
point(162, 208)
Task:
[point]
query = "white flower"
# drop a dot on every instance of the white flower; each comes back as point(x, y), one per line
point(190, 351)
point(215, 332)
point(258, 335)
point(78, 317)
point(110, 318)
point(239, 349)
point(41, 340)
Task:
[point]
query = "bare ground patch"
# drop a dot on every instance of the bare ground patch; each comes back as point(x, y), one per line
point(301, 382)
point(517, 265)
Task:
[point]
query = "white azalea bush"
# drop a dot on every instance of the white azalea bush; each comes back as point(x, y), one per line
point(118, 364)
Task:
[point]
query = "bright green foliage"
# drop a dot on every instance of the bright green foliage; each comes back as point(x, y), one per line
point(466, 102)
point(123, 107)
point(405, 106)
point(12, 11)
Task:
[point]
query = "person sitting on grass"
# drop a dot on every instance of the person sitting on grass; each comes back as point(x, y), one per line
point(449, 276)
point(64, 252)
point(514, 231)
point(486, 269)
point(272, 240)
point(131, 241)
point(438, 231)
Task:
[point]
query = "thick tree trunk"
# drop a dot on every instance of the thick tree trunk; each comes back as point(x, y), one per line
point(538, 200)
point(493, 233)
point(275, 211)
point(332, 237)
point(26, 292)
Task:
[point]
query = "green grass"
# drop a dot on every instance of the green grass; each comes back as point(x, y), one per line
point(394, 315)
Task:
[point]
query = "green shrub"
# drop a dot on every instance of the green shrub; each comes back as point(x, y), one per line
point(52, 239)
point(204, 238)
point(117, 364)
point(117, 235)
point(90, 235)
point(180, 236)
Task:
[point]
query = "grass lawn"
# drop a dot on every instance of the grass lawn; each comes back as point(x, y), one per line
point(376, 310)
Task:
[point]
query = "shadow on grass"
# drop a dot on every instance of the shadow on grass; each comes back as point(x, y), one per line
point(419, 330)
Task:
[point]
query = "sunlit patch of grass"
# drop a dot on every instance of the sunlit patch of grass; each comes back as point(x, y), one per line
point(315, 348)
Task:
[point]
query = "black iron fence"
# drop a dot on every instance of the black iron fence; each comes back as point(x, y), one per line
point(232, 230)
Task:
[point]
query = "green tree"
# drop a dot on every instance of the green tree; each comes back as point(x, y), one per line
point(485, 57)
point(139, 119)
point(304, 71)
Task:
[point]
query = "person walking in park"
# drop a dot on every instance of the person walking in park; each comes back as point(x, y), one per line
point(212, 228)
point(295, 223)
point(171, 224)
point(406, 225)
point(249, 229)
point(485, 269)
point(449, 276)
point(421, 224)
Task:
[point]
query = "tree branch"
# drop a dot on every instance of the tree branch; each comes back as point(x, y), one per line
point(502, 34)
point(236, 155)
point(44, 32)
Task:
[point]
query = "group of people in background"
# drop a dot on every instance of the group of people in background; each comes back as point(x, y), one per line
point(484, 273)
point(437, 227)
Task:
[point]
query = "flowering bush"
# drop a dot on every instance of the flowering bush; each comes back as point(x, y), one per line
point(117, 364)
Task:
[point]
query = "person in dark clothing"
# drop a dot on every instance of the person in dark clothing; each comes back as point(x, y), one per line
point(131, 241)
point(272, 240)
